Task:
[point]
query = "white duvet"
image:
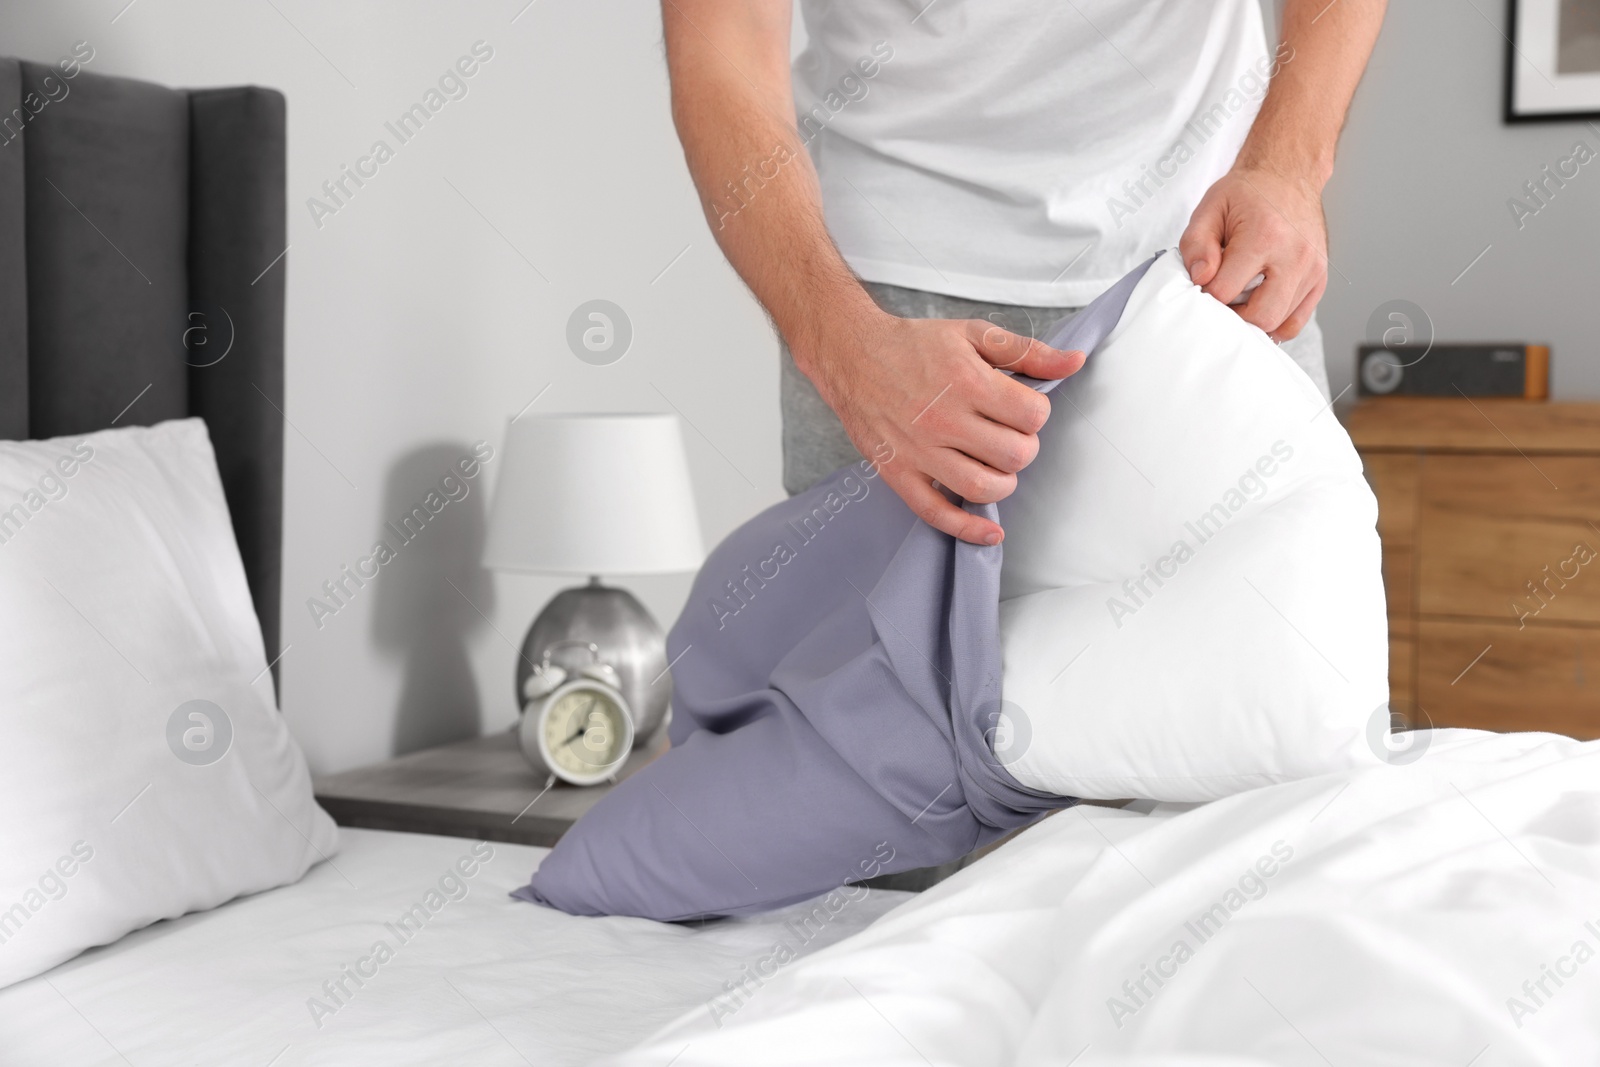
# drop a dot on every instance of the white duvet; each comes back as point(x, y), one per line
point(1446, 911)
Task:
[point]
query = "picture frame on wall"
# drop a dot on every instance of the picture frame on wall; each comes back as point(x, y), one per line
point(1553, 61)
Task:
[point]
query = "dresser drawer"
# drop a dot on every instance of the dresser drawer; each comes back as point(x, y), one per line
point(1397, 581)
point(1493, 676)
point(1402, 668)
point(1499, 538)
point(1393, 477)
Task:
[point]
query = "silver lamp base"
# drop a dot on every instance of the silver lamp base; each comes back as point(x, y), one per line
point(629, 639)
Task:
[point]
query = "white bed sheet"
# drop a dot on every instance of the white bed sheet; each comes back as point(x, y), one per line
point(485, 980)
point(1413, 905)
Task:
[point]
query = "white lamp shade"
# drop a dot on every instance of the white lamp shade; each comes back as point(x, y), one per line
point(594, 494)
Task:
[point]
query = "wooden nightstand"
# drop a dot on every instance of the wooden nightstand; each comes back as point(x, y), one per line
point(1494, 609)
point(481, 788)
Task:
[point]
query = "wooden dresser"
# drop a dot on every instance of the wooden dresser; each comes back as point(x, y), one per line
point(1489, 512)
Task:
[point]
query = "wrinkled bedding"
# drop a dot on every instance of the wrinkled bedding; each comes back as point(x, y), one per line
point(1444, 910)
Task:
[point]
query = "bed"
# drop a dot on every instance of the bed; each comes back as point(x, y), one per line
point(1441, 911)
point(1412, 914)
point(485, 980)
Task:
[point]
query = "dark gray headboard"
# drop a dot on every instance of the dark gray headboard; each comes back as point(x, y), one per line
point(129, 214)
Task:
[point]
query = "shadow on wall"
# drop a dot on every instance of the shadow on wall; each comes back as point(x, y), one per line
point(434, 524)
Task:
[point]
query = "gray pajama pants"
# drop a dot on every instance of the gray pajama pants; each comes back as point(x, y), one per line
point(814, 442)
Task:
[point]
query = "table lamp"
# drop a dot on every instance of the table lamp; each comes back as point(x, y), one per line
point(592, 495)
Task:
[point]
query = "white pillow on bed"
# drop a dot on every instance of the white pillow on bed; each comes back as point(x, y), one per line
point(1192, 603)
point(144, 769)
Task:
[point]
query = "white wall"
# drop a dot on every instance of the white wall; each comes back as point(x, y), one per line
point(415, 330)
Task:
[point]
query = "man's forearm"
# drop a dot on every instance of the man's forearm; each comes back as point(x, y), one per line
point(1297, 130)
point(880, 374)
point(733, 109)
point(1264, 217)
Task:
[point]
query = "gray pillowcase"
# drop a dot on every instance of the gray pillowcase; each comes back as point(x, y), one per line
point(836, 687)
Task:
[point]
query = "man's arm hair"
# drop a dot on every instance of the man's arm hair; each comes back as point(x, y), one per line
point(734, 111)
point(1327, 46)
point(1265, 215)
point(921, 397)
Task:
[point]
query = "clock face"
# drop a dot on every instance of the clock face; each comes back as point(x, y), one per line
point(586, 732)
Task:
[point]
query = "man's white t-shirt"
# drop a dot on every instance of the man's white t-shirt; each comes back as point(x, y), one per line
point(1022, 151)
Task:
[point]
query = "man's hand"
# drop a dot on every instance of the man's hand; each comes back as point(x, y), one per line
point(1265, 216)
point(1255, 222)
point(923, 397)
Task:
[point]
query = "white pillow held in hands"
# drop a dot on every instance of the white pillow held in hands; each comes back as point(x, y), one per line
point(1192, 601)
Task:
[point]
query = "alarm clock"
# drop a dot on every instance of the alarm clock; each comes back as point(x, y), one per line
point(575, 725)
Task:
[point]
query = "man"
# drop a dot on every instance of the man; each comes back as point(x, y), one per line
point(985, 168)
